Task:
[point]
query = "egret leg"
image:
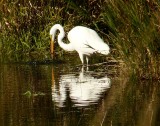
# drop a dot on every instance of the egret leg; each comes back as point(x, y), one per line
point(81, 57)
point(87, 60)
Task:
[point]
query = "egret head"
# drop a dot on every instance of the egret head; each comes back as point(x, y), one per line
point(53, 29)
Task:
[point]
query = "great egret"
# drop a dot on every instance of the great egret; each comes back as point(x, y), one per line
point(82, 39)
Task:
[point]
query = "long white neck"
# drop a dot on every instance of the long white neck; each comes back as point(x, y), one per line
point(67, 47)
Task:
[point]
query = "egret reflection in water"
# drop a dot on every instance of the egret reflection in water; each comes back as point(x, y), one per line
point(82, 89)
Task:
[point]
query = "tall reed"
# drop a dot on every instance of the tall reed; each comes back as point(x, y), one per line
point(134, 31)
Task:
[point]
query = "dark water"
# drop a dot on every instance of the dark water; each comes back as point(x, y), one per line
point(63, 95)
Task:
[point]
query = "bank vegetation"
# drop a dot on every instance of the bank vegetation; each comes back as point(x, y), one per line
point(130, 27)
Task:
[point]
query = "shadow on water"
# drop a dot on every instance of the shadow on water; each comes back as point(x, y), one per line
point(39, 95)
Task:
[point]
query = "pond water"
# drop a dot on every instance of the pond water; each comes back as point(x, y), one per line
point(67, 95)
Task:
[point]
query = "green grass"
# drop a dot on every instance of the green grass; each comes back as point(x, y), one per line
point(25, 29)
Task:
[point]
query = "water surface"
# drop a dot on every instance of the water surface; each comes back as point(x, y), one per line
point(66, 95)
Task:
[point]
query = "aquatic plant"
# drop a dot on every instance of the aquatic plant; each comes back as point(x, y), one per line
point(29, 94)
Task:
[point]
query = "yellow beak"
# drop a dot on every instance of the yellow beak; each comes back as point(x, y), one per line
point(52, 47)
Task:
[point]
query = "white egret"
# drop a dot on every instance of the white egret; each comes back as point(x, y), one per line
point(82, 39)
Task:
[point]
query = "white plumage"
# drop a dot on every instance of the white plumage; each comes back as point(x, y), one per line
point(82, 39)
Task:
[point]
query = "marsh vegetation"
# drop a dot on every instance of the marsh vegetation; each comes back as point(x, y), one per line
point(131, 28)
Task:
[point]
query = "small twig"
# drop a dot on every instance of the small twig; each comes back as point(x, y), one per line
point(103, 118)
